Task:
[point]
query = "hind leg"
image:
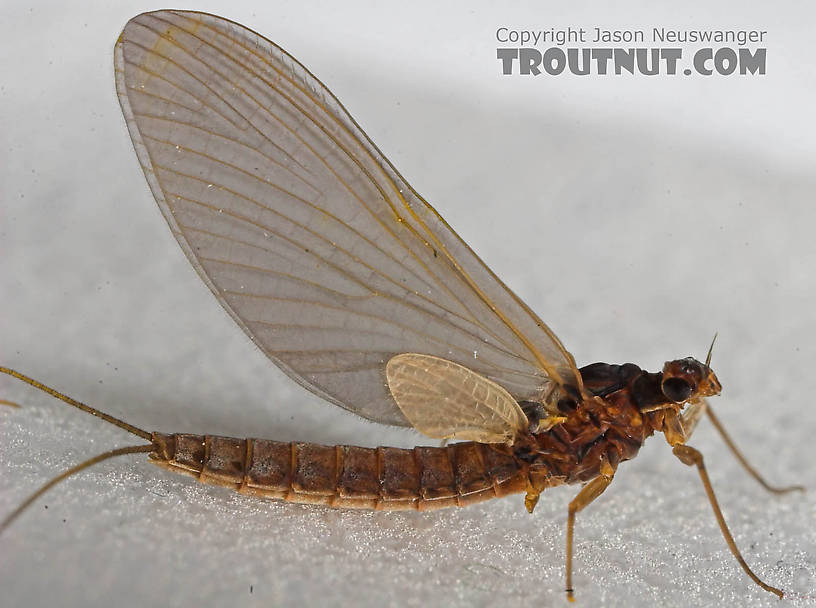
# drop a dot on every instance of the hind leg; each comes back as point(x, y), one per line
point(588, 493)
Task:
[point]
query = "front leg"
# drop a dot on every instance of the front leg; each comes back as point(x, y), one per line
point(588, 493)
point(678, 429)
point(692, 457)
point(745, 464)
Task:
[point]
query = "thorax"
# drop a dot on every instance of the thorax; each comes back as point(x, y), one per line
point(608, 425)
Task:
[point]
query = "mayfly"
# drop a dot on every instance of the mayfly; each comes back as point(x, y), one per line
point(359, 290)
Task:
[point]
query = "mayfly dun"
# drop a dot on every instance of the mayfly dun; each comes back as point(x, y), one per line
point(358, 289)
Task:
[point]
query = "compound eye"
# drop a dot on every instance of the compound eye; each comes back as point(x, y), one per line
point(676, 389)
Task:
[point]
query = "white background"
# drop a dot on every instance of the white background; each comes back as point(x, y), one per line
point(637, 215)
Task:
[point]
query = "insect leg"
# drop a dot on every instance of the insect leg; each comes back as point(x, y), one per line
point(691, 416)
point(751, 470)
point(692, 457)
point(588, 493)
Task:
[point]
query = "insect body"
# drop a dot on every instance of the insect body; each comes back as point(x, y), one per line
point(356, 287)
point(591, 438)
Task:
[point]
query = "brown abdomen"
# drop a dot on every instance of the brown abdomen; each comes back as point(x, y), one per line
point(346, 476)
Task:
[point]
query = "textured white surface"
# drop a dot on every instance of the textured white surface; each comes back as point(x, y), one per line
point(637, 216)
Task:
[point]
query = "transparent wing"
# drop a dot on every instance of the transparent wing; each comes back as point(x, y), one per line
point(305, 233)
point(445, 400)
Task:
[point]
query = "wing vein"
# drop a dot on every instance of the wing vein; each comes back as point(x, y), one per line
point(272, 85)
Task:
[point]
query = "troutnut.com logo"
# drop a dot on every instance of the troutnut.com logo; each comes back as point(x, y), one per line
point(554, 52)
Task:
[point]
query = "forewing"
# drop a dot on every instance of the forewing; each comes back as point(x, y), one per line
point(305, 233)
point(445, 400)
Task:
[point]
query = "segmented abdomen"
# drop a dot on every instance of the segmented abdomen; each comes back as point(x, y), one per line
point(344, 476)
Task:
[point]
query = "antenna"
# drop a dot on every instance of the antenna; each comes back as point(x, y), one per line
point(711, 348)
